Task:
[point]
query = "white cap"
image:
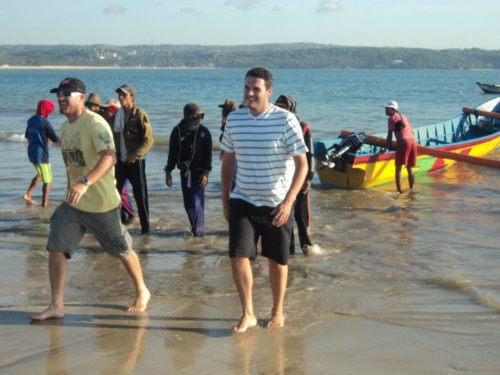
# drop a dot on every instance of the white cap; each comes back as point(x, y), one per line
point(392, 104)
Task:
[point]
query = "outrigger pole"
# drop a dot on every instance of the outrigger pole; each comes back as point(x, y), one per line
point(381, 142)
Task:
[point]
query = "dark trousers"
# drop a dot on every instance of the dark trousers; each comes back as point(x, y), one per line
point(194, 200)
point(136, 174)
point(302, 215)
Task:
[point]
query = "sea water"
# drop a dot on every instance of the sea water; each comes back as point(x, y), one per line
point(429, 260)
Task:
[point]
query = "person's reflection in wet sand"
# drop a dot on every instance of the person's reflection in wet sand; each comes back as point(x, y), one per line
point(407, 221)
point(244, 351)
point(183, 344)
point(124, 346)
point(182, 350)
point(130, 361)
point(273, 359)
point(264, 352)
point(55, 356)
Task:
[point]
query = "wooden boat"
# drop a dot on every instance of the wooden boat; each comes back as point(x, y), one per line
point(355, 161)
point(489, 89)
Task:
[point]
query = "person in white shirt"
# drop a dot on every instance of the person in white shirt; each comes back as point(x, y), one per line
point(266, 143)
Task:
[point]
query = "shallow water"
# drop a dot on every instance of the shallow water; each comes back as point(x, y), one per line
point(406, 284)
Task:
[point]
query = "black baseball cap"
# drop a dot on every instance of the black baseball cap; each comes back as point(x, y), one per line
point(191, 110)
point(127, 89)
point(70, 84)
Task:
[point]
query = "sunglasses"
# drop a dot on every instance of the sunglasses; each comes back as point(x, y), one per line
point(67, 93)
point(201, 116)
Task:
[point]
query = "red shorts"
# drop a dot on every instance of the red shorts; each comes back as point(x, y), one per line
point(406, 153)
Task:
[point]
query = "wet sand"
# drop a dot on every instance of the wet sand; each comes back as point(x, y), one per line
point(104, 339)
point(346, 313)
point(406, 285)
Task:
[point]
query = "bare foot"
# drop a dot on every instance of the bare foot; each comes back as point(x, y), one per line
point(276, 321)
point(245, 323)
point(51, 312)
point(141, 302)
point(28, 199)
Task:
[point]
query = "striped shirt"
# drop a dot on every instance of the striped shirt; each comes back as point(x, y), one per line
point(264, 147)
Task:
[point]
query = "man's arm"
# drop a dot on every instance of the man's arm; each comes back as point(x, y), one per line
point(388, 141)
point(282, 211)
point(207, 158)
point(51, 134)
point(206, 151)
point(103, 166)
point(173, 151)
point(306, 188)
point(227, 175)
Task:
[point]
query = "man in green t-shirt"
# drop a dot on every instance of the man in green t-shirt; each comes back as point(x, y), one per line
point(92, 202)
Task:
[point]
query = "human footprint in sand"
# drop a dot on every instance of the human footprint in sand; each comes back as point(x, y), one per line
point(92, 202)
point(271, 172)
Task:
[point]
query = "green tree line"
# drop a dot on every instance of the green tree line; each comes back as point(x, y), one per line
point(299, 55)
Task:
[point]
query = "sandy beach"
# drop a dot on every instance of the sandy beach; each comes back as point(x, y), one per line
point(96, 338)
point(354, 310)
point(194, 339)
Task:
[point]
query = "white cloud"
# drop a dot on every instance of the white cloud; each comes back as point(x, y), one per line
point(328, 6)
point(242, 4)
point(114, 9)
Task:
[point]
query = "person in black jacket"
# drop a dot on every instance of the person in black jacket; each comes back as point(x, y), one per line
point(190, 150)
point(302, 208)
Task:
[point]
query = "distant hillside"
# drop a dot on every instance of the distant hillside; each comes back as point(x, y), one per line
point(269, 55)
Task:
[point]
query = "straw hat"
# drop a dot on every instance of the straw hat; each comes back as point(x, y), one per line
point(93, 99)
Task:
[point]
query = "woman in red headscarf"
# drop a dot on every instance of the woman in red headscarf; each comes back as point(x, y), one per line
point(38, 133)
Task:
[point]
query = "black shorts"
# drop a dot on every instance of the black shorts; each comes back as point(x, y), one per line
point(248, 223)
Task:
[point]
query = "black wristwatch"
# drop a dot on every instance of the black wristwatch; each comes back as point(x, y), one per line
point(85, 181)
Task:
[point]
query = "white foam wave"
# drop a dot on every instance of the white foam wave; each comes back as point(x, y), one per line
point(12, 137)
point(313, 250)
point(466, 287)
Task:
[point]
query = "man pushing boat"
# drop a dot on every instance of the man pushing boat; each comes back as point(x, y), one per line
point(406, 147)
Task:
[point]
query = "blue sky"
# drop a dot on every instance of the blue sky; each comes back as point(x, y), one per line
point(433, 24)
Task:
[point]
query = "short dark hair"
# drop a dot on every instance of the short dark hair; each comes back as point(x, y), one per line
point(263, 73)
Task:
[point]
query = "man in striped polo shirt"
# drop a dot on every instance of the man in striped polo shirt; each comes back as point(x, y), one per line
point(266, 143)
